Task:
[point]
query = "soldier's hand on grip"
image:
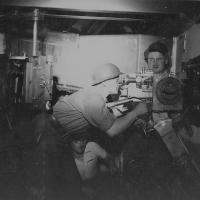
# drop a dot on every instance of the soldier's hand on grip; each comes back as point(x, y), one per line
point(141, 108)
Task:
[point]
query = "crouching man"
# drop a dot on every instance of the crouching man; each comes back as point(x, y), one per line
point(92, 163)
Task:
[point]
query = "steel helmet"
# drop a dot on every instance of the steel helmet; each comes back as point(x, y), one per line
point(105, 72)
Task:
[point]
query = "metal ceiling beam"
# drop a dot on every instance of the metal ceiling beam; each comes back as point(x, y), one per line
point(92, 17)
point(127, 6)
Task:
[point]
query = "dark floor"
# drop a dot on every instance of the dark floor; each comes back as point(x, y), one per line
point(22, 173)
point(15, 141)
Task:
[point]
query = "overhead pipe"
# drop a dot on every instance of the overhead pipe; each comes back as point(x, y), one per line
point(35, 30)
point(92, 17)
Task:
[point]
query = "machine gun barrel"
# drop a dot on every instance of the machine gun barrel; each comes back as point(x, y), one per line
point(123, 101)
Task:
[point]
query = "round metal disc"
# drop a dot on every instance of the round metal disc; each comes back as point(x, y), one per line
point(169, 91)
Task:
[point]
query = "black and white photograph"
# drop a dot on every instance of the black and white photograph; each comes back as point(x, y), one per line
point(99, 100)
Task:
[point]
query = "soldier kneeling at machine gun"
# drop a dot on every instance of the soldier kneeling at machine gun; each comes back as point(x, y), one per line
point(80, 113)
point(85, 111)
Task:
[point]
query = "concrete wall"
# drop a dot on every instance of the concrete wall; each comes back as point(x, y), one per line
point(74, 57)
point(192, 43)
point(186, 46)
